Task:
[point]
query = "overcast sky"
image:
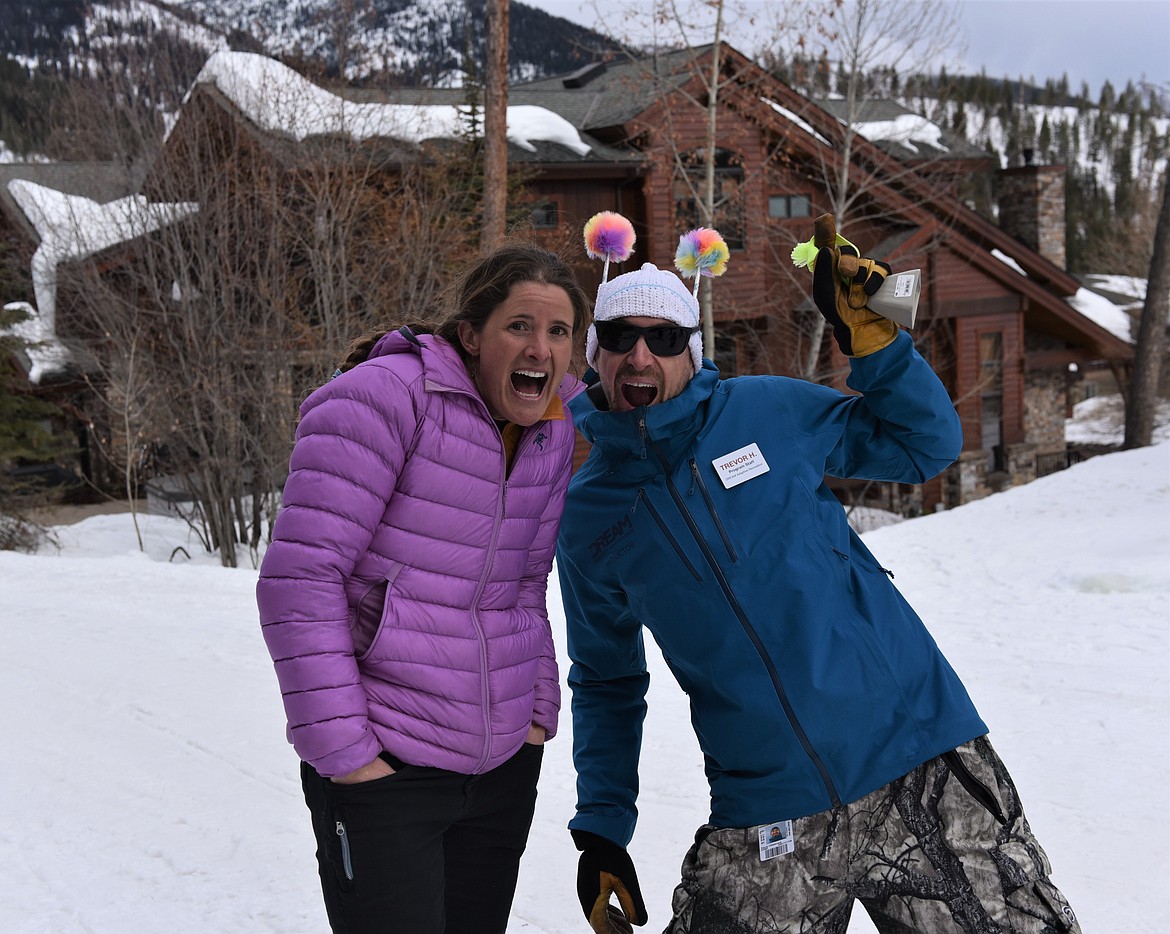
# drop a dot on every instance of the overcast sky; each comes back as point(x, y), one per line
point(1089, 40)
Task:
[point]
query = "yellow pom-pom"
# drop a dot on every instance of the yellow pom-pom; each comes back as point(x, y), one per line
point(804, 254)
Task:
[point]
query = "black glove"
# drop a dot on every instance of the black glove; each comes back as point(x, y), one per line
point(606, 868)
point(843, 281)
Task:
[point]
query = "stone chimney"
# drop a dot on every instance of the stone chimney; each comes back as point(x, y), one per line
point(1031, 207)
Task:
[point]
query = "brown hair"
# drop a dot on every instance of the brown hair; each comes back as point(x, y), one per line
point(480, 289)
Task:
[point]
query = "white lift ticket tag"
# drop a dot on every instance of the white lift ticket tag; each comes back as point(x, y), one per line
point(741, 465)
point(776, 840)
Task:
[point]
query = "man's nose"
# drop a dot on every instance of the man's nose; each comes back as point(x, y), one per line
point(640, 355)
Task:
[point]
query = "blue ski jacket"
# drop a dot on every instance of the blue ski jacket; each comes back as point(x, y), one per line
point(706, 520)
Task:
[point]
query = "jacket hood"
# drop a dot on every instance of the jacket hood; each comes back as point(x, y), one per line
point(441, 362)
point(443, 365)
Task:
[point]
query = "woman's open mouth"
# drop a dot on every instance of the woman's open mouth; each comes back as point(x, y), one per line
point(529, 383)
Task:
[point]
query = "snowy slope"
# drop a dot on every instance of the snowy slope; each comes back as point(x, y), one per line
point(149, 787)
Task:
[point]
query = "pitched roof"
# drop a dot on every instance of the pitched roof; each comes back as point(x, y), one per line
point(596, 98)
point(901, 132)
point(279, 101)
point(101, 182)
point(624, 90)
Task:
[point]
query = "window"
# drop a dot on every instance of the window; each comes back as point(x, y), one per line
point(786, 207)
point(991, 397)
point(546, 215)
point(729, 191)
point(739, 346)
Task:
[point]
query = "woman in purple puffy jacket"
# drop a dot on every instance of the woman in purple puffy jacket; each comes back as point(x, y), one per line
point(403, 599)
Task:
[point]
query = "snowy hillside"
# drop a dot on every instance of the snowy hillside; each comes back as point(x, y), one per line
point(427, 41)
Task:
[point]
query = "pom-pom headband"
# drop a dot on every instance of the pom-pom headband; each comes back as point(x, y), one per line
point(610, 237)
point(650, 292)
point(701, 252)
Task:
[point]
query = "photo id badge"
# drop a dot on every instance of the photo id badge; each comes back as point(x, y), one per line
point(741, 465)
point(776, 840)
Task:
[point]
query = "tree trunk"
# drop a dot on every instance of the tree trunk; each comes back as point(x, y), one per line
point(495, 126)
point(706, 311)
point(1151, 337)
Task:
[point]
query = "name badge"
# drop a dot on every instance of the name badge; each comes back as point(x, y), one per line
point(738, 466)
point(776, 840)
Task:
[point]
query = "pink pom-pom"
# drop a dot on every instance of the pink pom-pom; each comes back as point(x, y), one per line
point(701, 252)
point(610, 237)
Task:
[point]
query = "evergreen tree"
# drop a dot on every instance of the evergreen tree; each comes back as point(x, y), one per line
point(1044, 141)
point(27, 422)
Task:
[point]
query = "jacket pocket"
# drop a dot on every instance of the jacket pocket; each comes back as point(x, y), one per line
point(372, 610)
point(979, 791)
point(343, 865)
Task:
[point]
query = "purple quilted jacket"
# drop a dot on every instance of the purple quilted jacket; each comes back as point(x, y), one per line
point(403, 596)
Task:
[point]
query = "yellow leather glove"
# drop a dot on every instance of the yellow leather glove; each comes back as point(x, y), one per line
point(606, 869)
point(843, 281)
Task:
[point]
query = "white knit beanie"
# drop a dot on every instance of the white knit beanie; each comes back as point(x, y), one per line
point(649, 292)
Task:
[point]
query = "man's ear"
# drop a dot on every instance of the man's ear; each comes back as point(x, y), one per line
point(469, 338)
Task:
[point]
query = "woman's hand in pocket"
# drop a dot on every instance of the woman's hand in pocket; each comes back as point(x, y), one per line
point(368, 772)
point(535, 735)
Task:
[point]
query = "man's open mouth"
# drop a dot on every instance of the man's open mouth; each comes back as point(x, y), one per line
point(639, 393)
point(529, 383)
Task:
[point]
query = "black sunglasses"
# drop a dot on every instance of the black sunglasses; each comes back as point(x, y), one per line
point(662, 340)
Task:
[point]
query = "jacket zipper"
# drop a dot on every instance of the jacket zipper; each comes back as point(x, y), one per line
point(698, 478)
point(752, 635)
point(498, 520)
point(485, 695)
point(654, 514)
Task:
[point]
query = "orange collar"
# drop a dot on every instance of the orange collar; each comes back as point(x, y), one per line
point(555, 411)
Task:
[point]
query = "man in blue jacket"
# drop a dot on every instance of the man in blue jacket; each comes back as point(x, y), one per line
point(845, 759)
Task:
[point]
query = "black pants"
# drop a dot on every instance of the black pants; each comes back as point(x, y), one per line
point(423, 851)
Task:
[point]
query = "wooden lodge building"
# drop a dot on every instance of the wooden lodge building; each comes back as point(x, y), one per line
point(994, 317)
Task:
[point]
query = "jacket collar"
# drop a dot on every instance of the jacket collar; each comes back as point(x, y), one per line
point(670, 425)
point(445, 370)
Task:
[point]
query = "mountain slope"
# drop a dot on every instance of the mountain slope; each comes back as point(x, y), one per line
point(408, 41)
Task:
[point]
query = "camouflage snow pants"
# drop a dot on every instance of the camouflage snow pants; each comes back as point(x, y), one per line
point(943, 849)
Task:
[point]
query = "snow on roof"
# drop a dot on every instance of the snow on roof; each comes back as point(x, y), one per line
point(45, 353)
point(906, 129)
point(799, 121)
point(1099, 309)
point(1130, 286)
point(72, 227)
point(1008, 261)
point(278, 99)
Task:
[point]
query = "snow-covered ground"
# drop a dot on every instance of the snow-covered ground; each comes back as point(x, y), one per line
point(148, 788)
